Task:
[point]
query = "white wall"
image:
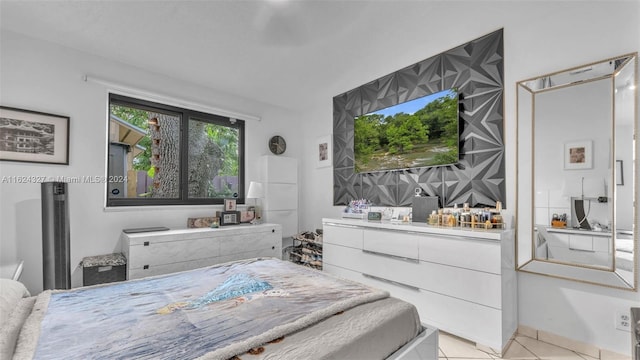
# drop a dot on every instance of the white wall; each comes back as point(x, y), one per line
point(539, 37)
point(45, 77)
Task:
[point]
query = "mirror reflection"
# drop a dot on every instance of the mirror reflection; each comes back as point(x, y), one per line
point(582, 153)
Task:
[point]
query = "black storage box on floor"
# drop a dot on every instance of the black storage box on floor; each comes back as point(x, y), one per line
point(104, 269)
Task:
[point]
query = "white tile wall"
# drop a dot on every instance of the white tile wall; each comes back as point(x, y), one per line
point(549, 202)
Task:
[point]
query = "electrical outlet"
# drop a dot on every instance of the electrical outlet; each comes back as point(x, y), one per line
point(623, 321)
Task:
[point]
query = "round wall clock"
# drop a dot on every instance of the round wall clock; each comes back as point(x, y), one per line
point(277, 145)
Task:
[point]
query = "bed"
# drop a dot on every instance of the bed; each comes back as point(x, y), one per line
point(251, 309)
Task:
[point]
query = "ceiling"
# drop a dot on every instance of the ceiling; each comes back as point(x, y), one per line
point(284, 53)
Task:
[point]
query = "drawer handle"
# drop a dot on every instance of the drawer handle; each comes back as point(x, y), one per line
point(411, 287)
point(391, 256)
point(344, 225)
point(583, 250)
point(146, 243)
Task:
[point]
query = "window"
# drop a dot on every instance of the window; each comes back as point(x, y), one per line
point(166, 155)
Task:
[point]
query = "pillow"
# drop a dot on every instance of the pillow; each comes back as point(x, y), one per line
point(11, 292)
point(10, 330)
point(13, 312)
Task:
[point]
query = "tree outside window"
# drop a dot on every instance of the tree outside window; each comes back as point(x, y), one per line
point(163, 155)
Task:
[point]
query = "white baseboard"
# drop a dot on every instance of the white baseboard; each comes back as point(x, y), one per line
point(573, 345)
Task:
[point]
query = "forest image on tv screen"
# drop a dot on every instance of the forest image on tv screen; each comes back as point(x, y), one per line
point(417, 133)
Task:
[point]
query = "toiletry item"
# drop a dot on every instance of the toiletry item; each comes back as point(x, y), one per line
point(433, 218)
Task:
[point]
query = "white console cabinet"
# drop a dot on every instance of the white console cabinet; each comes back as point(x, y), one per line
point(589, 248)
point(280, 181)
point(162, 252)
point(461, 281)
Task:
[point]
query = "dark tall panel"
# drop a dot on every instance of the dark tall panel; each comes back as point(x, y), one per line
point(56, 267)
point(476, 69)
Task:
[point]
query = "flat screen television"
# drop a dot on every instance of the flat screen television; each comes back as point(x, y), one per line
point(417, 133)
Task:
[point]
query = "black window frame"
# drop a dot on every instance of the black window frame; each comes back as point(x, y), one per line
point(185, 115)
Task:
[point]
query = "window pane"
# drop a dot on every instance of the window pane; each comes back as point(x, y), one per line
point(144, 153)
point(213, 160)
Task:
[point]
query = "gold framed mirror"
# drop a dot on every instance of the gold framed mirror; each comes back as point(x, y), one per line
point(577, 153)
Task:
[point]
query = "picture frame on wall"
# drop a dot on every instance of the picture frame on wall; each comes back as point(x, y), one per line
point(229, 204)
point(34, 137)
point(578, 155)
point(323, 151)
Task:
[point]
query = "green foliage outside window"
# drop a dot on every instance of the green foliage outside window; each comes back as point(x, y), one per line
point(183, 156)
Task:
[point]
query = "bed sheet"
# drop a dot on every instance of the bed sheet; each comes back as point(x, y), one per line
point(398, 327)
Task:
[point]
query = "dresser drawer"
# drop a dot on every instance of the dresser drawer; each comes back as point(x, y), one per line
point(156, 253)
point(343, 235)
point(476, 286)
point(602, 244)
point(468, 253)
point(247, 242)
point(250, 254)
point(376, 264)
point(153, 270)
point(463, 318)
point(393, 243)
point(170, 235)
point(580, 242)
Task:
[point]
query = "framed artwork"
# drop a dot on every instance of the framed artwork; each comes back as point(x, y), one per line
point(323, 151)
point(31, 136)
point(229, 204)
point(578, 155)
point(619, 173)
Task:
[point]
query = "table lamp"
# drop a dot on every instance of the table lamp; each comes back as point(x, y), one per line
point(256, 192)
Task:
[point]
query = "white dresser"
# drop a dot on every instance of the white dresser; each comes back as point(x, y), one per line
point(162, 252)
point(461, 281)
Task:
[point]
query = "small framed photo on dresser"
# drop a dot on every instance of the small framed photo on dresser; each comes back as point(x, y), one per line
point(229, 204)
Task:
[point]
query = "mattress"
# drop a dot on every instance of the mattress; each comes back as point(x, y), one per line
point(370, 329)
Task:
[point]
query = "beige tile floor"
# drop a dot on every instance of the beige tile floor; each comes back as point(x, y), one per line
point(522, 348)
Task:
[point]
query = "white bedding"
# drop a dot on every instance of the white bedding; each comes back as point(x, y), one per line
point(14, 309)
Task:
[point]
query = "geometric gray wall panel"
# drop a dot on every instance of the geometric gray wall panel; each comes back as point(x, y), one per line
point(477, 70)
